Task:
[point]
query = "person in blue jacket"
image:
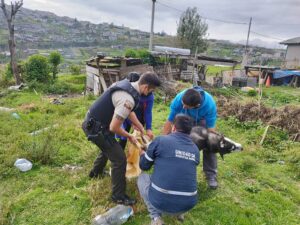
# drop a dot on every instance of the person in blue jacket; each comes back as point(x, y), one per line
point(172, 188)
point(201, 106)
point(143, 112)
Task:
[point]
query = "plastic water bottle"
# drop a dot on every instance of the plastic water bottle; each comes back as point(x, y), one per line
point(23, 165)
point(16, 116)
point(115, 216)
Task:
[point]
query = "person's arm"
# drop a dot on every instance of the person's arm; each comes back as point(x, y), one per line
point(123, 103)
point(211, 118)
point(135, 122)
point(175, 108)
point(148, 116)
point(147, 158)
point(116, 127)
point(167, 127)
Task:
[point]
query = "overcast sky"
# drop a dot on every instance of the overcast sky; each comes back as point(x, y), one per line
point(279, 19)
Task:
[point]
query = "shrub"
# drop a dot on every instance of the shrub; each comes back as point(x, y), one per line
point(42, 148)
point(252, 93)
point(8, 72)
point(131, 53)
point(37, 69)
point(144, 55)
point(55, 59)
point(75, 69)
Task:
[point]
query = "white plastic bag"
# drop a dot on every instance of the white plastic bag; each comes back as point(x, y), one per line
point(23, 165)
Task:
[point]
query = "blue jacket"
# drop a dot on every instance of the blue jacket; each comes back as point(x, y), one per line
point(207, 111)
point(175, 158)
point(143, 113)
point(144, 110)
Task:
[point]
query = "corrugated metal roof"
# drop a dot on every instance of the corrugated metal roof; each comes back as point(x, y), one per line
point(291, 41)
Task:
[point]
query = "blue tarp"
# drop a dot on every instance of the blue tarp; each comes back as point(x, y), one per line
point(285, 73)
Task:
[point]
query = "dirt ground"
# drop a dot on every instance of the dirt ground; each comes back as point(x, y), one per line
point(287, 118)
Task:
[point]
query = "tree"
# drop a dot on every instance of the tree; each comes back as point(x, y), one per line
point(192, 30)
point(37, 69)
point(75, 69)
point(10, 18)
point(55, 59)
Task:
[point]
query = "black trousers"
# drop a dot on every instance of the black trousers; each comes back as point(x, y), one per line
point(111, 150)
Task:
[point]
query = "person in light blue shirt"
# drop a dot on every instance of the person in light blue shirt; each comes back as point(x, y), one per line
point(201, 106)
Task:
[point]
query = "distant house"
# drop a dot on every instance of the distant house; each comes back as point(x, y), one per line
point(292, 56)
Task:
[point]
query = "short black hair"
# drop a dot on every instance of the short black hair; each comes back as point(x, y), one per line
point(150, 78)
point(183, 123)
point(133, 76)
point(192, 98)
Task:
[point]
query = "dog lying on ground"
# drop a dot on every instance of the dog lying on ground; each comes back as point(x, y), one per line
point(213, 141)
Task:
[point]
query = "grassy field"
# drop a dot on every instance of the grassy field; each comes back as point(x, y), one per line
point(257, 186)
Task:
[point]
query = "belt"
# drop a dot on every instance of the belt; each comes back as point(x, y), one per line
point(173, 192)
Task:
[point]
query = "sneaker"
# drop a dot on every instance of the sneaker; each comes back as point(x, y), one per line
point(157, 221)
point(180, 217)
point(123, 200)
point(212, 183)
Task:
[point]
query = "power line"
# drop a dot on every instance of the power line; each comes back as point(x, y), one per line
point(228, 21)
point(266, 36)
point(277, 24)
point(204, 17)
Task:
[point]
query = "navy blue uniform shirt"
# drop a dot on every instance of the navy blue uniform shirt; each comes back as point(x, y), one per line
point(173, 187)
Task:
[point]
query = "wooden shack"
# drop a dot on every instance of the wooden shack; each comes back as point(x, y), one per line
point(102, 71)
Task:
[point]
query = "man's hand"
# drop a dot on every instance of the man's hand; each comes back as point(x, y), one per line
point(150, 133)
point(136, 124)
point(132, 139)
point(142, 152)
point(167, 128)
point(138, 128)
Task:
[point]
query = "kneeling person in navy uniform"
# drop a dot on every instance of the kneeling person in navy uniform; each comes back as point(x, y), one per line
point(172, 188)
point(104, 119)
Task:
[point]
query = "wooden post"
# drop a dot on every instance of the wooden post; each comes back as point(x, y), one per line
point(193, 75)
point(264, 135)
point(260, 85)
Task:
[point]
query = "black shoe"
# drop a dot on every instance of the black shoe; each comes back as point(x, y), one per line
point(94, 175)
point(123, 200)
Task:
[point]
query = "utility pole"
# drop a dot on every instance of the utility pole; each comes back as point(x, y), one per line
point(152, 25)
point(245, 58)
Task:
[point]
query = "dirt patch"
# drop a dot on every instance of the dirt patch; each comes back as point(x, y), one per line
point(28, 107)
point(287, 118)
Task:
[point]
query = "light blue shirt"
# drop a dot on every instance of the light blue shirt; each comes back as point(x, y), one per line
point(207, 110)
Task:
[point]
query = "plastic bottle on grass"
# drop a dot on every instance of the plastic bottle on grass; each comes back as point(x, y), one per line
point(23, 165)
point(15, 115)
point(115, 216)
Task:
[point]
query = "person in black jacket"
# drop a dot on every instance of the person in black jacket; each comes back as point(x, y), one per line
point(104, 119)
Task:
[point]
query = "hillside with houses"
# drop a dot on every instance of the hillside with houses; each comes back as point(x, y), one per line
point(36, 31)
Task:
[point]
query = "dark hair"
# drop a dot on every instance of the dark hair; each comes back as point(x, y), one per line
point(151, 79)
point(133, 76)
point(192, 98)
point(183, 123)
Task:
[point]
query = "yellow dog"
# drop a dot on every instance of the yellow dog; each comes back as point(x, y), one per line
point(133, 156)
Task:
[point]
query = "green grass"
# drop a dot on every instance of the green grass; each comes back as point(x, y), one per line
point(253, 189)
point(217, 70)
